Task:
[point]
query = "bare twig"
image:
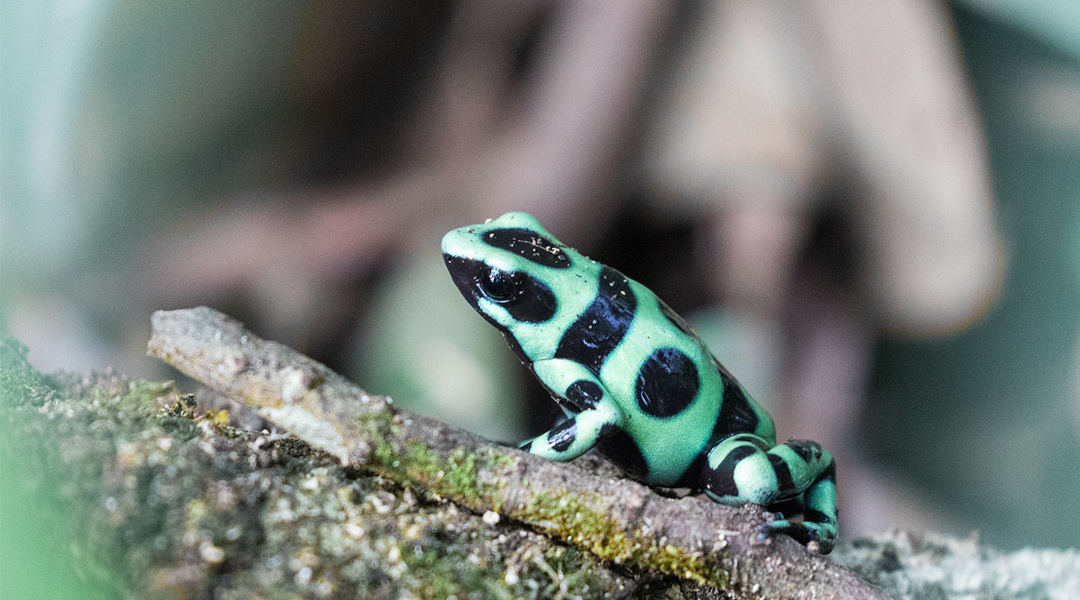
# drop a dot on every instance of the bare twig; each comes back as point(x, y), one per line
point(615, 518)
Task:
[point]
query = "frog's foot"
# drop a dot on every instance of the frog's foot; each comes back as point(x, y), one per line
point(817, 537)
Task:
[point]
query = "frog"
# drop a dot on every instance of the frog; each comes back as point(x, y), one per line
point(634, 380)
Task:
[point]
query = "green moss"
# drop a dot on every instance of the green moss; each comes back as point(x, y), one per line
point(456, 474)
point(144, 395)
point(453, 476)
point(567, 517)
point(570, 518)
point(510, 567)
point(437, 577)
point(414, 463)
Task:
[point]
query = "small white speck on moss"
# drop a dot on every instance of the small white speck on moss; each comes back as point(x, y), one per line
point(211, 553)
point(303, 576)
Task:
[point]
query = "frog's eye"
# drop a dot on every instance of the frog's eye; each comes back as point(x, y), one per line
point(497, 285)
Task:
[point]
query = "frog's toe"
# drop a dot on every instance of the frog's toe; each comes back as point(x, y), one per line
point(763, 533)
point(772, 527)
point(817, 537)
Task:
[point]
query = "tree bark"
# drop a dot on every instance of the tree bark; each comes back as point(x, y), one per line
point(617, 519)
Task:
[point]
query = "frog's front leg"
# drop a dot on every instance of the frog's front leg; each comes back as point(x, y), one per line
point(588, 405)
point(744, 468)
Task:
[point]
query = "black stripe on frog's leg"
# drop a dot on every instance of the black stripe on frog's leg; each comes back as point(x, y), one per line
point(785, 484)
point(617, 446)
point(735, 417)
point(603, 325)
point(810, 452)
point(667, 383)
point(818, 529)
point(720, 482)
point(529, 245)
point(584, 394)
point(692, 478)
point(562, 435)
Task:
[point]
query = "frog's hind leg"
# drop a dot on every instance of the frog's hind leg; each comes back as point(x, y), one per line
point(744, 468)
point(818, 528)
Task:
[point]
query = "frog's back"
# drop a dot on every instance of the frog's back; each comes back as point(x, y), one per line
point(676, 399)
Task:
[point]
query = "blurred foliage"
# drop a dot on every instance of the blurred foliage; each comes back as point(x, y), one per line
point(37, 524)
point(995, 406)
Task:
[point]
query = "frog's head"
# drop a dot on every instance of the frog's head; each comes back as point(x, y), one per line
point(516, 275)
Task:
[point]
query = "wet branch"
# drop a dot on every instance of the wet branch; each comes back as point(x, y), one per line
point(617, 519)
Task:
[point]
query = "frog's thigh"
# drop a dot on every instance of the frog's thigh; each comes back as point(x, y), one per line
point(738, 470)
point(743, 468)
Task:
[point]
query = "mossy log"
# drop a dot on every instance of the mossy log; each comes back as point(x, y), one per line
point(617, 520)
point(118, 488)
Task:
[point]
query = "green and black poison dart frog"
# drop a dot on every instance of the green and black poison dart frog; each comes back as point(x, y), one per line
point(633, 378)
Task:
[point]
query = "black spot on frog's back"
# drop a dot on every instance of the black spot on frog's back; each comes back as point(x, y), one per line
point(528, 245)
point(584, 394)
point(667, 383)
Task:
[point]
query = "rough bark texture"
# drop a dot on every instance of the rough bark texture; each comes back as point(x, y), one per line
point(613, 518)
point(123, 489)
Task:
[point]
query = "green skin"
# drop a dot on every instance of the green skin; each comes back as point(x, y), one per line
point(633, 379)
